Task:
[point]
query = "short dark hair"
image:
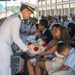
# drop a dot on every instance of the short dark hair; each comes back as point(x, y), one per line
point(61, 47)
point(71, 25)
point(44, 23)
point(57, 25)
point(36, 26)
point(23, 7)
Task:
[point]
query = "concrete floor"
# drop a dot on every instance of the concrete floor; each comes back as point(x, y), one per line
point(15, 63)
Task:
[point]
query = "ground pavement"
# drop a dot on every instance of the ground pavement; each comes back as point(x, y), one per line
point(15, 62)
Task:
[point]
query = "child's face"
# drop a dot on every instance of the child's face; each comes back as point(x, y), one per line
point(53, 31)
point(64, 53)
point(56, 32)
point(40, 27)
point(37, 30)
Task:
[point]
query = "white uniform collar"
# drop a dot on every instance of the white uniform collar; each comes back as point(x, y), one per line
point(20, 15)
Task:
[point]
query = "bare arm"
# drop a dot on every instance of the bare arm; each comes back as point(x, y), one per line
point(50, 51)
point(63, 67)
point(51, 44)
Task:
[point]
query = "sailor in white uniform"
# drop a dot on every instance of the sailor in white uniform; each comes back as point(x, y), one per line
point(9, 33)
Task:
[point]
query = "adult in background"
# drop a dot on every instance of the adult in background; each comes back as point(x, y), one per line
point(65, 20)
point(53, 21)
point(32, 34)
point(71, 29)
point(9, 33)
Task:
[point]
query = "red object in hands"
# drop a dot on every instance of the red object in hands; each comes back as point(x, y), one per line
point(45, 44)
point(29, 43)
point(36, 48)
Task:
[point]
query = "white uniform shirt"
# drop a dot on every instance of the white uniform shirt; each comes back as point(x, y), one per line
point(9, 33)
point(70, 59)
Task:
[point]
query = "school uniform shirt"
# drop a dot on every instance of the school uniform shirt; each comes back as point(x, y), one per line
point(9, 33)
point(70, 59)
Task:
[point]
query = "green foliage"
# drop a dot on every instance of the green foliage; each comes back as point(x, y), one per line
point(13, 8)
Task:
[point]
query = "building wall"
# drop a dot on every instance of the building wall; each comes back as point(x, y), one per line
point(56, 7)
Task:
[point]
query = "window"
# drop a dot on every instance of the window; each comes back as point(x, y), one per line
point(59, 0)
point(43, 2)
point(59, 6)
point(48, 8)
point(39, 3)
point(66, 6)
point(72, 5)
point(65, 0)
point(53, 1)
point(53, 7)
point(44, 8)
point(40, 8)
point(48, 1)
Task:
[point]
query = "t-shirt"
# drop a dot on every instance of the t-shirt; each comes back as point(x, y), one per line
point(70, 59)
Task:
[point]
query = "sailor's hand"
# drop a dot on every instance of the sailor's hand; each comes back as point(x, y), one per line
point(30, 54)
point(27, 52)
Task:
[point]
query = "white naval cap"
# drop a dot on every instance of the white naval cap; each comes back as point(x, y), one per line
point(29, 6)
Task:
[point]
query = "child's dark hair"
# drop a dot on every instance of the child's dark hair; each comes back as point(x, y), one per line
point(61, 47)
point(72, 26)
point(44, 23)
point(57, 25)
point(37, 26)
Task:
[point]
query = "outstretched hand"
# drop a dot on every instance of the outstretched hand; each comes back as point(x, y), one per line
point(38, 55)
point(30, 54)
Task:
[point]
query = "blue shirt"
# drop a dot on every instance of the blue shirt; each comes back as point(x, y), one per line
point(70, 59)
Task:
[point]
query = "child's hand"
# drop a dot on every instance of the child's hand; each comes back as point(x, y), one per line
point(39, 55)
point(30, 54)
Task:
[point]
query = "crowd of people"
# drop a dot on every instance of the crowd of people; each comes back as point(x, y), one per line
point(56, 30)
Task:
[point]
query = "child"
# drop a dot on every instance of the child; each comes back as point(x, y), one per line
point(68, 67)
